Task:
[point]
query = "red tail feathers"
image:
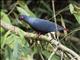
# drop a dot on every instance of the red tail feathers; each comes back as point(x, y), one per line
point(66, 29)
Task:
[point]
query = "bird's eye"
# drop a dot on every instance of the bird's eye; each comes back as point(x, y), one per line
point(21, 17)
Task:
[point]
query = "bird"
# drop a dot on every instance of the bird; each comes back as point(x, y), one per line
point(42, 26)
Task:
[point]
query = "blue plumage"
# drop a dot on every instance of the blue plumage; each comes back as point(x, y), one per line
point(41, 25)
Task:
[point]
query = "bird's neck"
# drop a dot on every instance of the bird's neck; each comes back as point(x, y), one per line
point(29, 20)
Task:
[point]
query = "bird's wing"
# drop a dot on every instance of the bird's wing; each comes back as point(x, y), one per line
point(43, 25)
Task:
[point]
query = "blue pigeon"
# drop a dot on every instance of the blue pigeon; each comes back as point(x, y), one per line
point(41, 25)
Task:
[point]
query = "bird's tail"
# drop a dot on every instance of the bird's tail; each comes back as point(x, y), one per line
point(65, 29)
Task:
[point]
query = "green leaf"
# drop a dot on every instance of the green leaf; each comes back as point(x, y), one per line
point(71, 8)
point(54, 57)
point(75, 11)
point(2, 30)
point(10, 37)
point(21, 38)
point(4, 39)
point(22, 11)
point(11, 40)
point(77, 17)
point(26, 49)
point(16, 52)
point(5, 18)
point(25, 8)
point(8, 52)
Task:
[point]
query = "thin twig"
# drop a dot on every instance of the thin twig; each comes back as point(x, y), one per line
point(77, 29)
point(54, 15)
point(58, 12)
point(62, 55)
point(12, 8)
point(71, 57)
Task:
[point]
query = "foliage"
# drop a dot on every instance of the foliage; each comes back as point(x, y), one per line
point(17, 47)
point(75, 11)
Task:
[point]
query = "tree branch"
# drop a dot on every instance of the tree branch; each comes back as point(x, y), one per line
point(42, 37)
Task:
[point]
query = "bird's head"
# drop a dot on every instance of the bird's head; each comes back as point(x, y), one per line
point(25, 18)
point(22, 17)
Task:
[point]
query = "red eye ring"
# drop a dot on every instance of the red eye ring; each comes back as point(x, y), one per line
point(21, 17)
